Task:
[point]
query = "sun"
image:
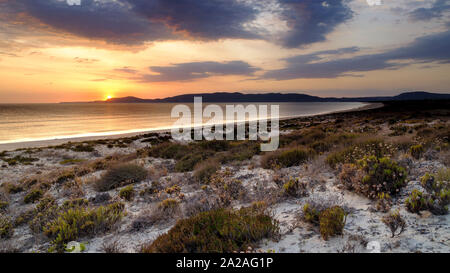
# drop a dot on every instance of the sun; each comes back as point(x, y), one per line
point(108, 97)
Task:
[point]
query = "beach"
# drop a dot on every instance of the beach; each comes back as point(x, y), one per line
point(177, 181)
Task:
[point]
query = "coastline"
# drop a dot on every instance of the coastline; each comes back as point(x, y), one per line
point(98, 136)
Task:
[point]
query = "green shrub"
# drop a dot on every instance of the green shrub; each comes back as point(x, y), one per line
point(417, 202)
point(352, 154)
point(332, 222)
point(73, 223)
point(6, 227)
point(216, 231)
point(168, 203)
point(286, 158)
point(311, 214)
point(173, 189)
point(204, 170)
point(169, 150)
point(83, 148)
point(127, 193)
point(293, 188)
point(394, 221)
point(3, 205)
point(33, 196)
point(382, 175)
point(416, 151)
point(121, 175)
point(12, 188)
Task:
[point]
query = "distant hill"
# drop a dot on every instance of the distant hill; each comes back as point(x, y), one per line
point(222, 97)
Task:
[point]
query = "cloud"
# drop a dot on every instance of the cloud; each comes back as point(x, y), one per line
point(126, 69)
point(85, 60)
point(211, 20)
point(197, 70)
point(431, 48)
point(437, 10)
point(135, 22)
point(111, 21)
point(311, 20)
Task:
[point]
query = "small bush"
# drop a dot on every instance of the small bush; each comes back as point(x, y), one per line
point(173, 189)
point(119, 176)
point(286, 158)
point(169, 204)
point(294, 188)
point(416, 151)
point(12, 188)
point(394, 221)
point(73, 223)
point(311, 214)
point(205, 170)
point(33, 196)
point(382, 175)
point(417, 202)
point(216, 231)
point(127, 193)
point(384, 202)
point(3, 205)
point(332, 222)
point(352, 154)
point(6, 227)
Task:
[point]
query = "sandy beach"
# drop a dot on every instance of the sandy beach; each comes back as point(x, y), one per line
point(175, 183)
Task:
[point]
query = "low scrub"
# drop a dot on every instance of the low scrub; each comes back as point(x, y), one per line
point(121, 175)
point(352, 154)
point(330, 220)
point(33, 196)
point(216, 231)
point(127, 193)
point(395, 223)
point(204, 170)
point(74, 223)
point(6, 227)
point(286, 158)
point(417, 151)
point(372, 176)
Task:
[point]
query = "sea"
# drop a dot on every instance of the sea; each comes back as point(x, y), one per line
point(34, 122)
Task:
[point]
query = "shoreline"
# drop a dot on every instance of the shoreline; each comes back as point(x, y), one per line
point(104, 135)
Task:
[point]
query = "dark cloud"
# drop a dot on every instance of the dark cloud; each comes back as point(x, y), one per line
point(197, 70)
point(437, 10)
point(432, 48)
point(212, 19)
point(112, 21)
point(311, 20)
point(134, 22)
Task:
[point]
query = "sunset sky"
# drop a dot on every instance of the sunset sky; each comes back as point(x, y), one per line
point(69, 50)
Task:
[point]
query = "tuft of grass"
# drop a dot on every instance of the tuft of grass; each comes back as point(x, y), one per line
point(33, 196)
point(3, 205)
point(417, 151)
point(70, 161)
point(168, 203)
point(286, 158)
point(332, 222)
point(6, 227)
point(119, 176)
point(204, 170)
point(216, 231)
point(74, 223)
point(127, 193)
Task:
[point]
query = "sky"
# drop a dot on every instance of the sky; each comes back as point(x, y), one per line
point(84, 50)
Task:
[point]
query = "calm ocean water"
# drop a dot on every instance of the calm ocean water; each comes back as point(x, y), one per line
point(28, 122)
